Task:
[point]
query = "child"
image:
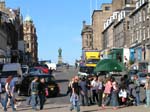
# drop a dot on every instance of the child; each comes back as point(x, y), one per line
point(74, 99)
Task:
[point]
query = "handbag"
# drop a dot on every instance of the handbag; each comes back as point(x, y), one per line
point(46, 92)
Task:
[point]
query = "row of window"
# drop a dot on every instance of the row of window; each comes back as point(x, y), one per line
point(139, 17)
point(140, 34)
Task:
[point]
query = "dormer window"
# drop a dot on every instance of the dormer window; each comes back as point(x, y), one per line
point(107, 8)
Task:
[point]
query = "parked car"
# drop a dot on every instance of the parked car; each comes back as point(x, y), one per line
point(38, 70)
point(141, 76)
point(53, 88)
point(131, 74)
point(45, 70)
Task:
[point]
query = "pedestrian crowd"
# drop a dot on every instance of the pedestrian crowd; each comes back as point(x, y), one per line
point(106, 91)
point(38, 92)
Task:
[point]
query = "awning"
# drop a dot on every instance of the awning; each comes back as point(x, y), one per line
point(108, 65)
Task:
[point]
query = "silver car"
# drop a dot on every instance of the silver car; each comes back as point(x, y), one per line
point(142, 78)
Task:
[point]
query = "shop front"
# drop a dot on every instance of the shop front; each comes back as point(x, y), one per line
point(136, 54)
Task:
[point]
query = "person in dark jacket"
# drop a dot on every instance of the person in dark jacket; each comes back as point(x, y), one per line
point(84, 93)
point(137, 89)
point(42, 89)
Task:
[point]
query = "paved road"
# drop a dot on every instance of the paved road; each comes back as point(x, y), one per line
point(61, 103)
point(95, 108)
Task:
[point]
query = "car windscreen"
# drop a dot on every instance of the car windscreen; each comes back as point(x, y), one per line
point(49, 79)
point(82, 69)
point(92, 61)
point(24, 70)
point(88, 70)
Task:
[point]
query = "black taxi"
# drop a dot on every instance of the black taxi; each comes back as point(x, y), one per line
point(51, 85)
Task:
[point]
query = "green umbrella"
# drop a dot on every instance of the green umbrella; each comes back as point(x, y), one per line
point(108, 65)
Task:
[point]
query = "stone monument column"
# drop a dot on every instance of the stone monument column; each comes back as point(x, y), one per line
point(59, 56)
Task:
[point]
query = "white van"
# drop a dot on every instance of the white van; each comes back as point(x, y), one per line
point(51, 65)
point(13, 69)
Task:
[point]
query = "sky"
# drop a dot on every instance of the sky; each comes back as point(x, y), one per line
point(58, 24)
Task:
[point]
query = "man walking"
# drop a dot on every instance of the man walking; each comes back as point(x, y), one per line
point(137, 89)
point(42, 89)
point(9, 94)
point(34, 92)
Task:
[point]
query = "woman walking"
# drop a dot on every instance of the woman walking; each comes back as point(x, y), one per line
point(114, 96)
point(107, 92)
point(8, 94)
point(75, 95)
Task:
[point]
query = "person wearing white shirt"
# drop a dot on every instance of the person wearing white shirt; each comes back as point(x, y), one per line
point(94, 85)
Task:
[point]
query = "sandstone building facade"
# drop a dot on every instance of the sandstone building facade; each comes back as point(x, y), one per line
point(30, 38)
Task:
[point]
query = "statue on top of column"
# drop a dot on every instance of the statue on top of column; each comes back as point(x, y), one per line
point(59, 52)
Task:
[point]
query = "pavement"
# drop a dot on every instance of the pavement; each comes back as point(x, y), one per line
point(61, 104)
point(65, 108)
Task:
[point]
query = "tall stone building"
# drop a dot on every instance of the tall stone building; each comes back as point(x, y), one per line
point(87, 37)
point(121, 29)
point(116, 31)
point(140, 32)
point(30, 39)
point(3, 45)
point(2, 5)
point(11, 24)
point(98, 19)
